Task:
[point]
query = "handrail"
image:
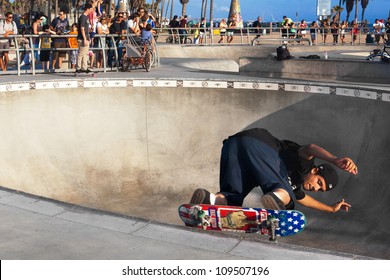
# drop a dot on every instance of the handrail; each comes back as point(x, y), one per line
point(101, 47)
point(247, 36)
point(281, 40)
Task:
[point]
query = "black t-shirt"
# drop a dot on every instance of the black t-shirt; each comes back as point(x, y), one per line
point(297, 166)
point(387, 26)
point(83, 23)
point(118, 27)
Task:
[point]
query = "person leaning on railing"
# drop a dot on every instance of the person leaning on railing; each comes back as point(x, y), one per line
point(101, 29)
point(118, 27)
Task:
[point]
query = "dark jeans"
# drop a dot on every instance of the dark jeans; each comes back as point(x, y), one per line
point(246, 163)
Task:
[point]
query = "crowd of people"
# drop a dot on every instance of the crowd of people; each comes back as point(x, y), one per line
point(51, 50)
point(336, 29)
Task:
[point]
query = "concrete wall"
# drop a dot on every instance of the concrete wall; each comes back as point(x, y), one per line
point(318, 69)
point(141, 151)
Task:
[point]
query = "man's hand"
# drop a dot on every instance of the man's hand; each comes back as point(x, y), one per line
point(346, 164)
point(86, 43)
point(341, 205)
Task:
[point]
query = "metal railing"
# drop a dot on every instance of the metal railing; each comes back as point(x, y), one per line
point(245, 36)
point(108, 47)
point(211, 36)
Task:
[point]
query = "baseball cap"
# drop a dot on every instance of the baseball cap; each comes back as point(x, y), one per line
point(329, 174)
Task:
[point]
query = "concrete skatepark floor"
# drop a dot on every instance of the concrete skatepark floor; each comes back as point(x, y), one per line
point(151, 141)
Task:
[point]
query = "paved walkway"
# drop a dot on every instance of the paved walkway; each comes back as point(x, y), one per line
point(35, 228)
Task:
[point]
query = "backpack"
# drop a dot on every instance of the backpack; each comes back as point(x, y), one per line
point(282, 53)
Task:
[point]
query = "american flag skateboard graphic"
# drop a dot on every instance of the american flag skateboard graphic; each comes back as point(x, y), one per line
point(250, 220)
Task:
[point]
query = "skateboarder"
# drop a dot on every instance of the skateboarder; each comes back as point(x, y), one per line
point(283, 169)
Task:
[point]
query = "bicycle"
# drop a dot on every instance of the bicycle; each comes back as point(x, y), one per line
point(382, 54)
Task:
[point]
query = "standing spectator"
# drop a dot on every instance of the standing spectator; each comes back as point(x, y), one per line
point(232, 24)
point(354, 31)
point(202, 30)
point(343, 31)
point(292, 31)
point(7, 27)
point(83, 40)
point(222, 30)
point(133, 24)
point(325, 27)
point(36, 30)
point(302, 29)
point(334, 29)
point(183, 29)
point(44, 56)
point(60, 26)
point(313, 31)
point(387, 26)
point(257, 25)
point(102, 29)
point(73, 44)
point(173, 25)
point(378, 26)
point(286, 24)
point(119, 28)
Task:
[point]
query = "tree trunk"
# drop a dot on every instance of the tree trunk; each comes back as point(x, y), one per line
point(356, 10)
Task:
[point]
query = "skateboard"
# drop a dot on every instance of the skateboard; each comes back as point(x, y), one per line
point(276, 223)
point(92, 74)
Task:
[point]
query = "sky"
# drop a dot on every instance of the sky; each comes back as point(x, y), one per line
point(275, 10)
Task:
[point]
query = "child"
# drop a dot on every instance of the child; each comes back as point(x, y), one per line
point(146, 34)
point(74, 45)
point(46, 44)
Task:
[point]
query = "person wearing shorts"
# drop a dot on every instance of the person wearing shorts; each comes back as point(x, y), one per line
point(7, 27)
point(59, 25)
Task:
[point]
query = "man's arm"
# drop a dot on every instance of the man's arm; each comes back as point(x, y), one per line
point(310, 202)
point(312, 150)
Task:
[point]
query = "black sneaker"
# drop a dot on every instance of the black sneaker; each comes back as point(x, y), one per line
point(87, 71)
point(200, 196)
point(272, 202)
point(78, 70)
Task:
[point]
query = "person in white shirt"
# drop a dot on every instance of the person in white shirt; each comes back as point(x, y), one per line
point(7, 27)
point(133, 24)
point(101, 29)
point(378, 31)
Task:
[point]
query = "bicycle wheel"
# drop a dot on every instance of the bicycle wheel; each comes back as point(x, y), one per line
point(188, 40)
point(148, 60)
point(125, 64)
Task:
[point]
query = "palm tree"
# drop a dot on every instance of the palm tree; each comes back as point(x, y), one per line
point(336, 10)
point(184, 3)
point(364, 4)
point(349, 6)
point(356, 9)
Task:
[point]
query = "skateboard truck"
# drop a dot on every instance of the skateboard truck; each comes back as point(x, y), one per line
point(271, 224)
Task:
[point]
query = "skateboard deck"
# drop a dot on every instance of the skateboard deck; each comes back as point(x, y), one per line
point(92, 74)
point(249, 220)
